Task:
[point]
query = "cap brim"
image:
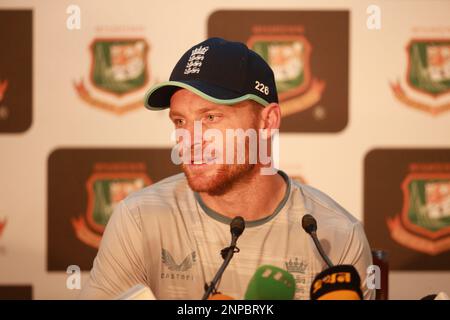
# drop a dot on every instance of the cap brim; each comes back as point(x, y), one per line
point(158, 97)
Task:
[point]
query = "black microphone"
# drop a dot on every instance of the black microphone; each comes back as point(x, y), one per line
point(237, 227)
point(309, 224)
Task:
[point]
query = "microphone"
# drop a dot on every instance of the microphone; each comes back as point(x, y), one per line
point(337, 283)
point(271, 283)
point(220, 296)
point(237, 227)
point(309, 224)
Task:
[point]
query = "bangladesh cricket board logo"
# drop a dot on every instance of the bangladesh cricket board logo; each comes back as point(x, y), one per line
point(105, 191)
point(289, 58)
point(424, 223)
point(428, 73)
point(118, 68)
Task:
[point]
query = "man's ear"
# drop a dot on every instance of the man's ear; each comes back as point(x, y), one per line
point(271, 117)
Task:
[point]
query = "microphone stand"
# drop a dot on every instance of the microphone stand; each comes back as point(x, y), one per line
point(320, 249)
point(309, 224)
point(227, 254)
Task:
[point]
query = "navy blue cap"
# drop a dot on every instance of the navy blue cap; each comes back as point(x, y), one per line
point(219, 71)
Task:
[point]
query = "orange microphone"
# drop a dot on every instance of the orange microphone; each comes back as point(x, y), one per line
point(337, 283)
point(219, 296)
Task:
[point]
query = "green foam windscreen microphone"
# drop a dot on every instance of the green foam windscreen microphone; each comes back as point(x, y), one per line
point(271, 283)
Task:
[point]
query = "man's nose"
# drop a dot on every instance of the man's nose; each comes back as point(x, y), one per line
point(195, 129)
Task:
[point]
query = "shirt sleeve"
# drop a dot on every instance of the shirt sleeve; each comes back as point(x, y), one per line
point(119, 264)
point(358, 254)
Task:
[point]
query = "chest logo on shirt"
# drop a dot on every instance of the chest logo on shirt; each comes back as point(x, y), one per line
point(169, 261)
point(298, 269)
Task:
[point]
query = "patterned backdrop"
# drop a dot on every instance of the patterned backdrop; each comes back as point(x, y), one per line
point(364, 89)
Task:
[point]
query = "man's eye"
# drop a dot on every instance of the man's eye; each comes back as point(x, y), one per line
point(211, 117)
point(178, 122)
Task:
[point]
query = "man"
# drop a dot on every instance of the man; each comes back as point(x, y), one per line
point(169, 235)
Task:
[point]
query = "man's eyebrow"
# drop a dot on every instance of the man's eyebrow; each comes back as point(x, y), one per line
point(199, 111)
point(172, 114)
point(207, 109)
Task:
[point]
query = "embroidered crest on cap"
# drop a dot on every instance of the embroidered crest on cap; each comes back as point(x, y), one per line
point(195, 60)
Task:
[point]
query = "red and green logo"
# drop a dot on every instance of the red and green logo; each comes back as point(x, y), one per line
point(118, 68)
point(104, 191)
point(289, 57)
point(424, 223)
point(428, 74)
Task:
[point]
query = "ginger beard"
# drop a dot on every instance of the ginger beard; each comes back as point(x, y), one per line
point(217, 179)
